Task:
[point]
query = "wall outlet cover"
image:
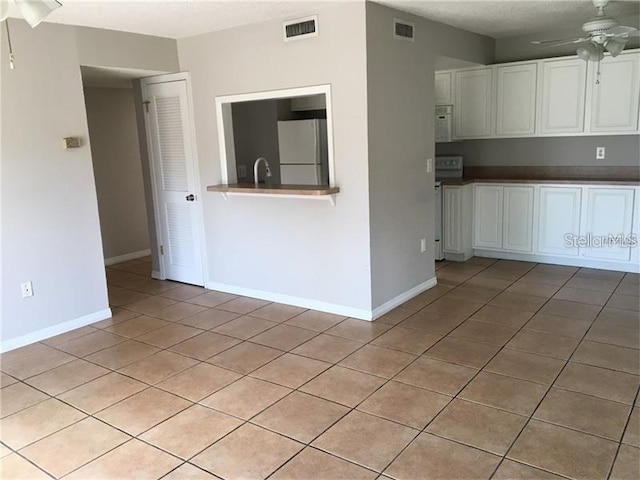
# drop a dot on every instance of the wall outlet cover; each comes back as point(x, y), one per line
point(27, 289)
point(600, 153)
point(423, 245)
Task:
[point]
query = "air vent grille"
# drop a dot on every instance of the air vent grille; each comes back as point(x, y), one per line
point(403, 30)
point(301, 28)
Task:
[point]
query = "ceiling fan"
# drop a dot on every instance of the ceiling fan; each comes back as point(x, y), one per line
point(601, 33)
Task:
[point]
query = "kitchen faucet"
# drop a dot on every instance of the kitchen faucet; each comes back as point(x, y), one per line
point(255, 169)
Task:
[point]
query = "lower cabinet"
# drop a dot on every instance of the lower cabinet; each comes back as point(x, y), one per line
point(558, 220)
point(457, 219)
point(487, 220)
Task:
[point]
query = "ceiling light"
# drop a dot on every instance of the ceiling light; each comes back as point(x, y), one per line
point(590, 52)
point(33, 11)
point(614, 47)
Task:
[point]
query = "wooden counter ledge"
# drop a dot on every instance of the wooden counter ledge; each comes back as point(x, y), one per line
point(249, 188)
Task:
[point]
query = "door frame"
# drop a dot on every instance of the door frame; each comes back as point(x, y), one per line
point(145, 83)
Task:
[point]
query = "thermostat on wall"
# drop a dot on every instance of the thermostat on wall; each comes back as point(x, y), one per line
point(71, 142)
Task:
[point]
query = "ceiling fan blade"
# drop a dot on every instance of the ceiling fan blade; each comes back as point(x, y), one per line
point(555, 43)
point(623, 31)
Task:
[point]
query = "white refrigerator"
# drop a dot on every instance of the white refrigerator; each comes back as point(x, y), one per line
point(303, 152)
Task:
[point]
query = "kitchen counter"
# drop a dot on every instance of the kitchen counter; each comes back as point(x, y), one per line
point(298, 190)
point(465, 181)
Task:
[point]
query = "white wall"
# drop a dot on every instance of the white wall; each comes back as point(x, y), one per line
point(50, 228)
point(294, 247)
point(117, 170)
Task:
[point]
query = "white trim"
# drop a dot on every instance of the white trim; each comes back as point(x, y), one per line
point(157, 275)
point(403, 297)
point(126, 257)
point(54, 330)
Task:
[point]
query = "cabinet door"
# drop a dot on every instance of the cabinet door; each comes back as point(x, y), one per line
point(563, 96)
point(558, 220)
point(615, 99)
point(608, 218)
point(451, 219)
point(487, 222)
point(518, 219)
point(472, 109)
point(516, 99)
point(443, 89)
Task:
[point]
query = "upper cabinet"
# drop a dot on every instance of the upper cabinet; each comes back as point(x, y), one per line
point(562, 96)
point(473, 100)
point(516, 99)
point(443, 88)
point(614, 101)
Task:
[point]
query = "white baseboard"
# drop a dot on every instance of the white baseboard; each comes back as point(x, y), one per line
point(126, 257)
point(403, 297)
point(157, 275)
point(54, 330)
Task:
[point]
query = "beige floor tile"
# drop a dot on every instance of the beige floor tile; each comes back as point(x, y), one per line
point(582, 295)
point(243, 305)
point(199, 381)
point(158, 367)
point(608, 356)
point(487, 282)
point(143, 410)
point(614, 335)
point(441, 377)
point(137, 326)
point(632, 433)
point(462, 352)
point(506, 393)
point(624, 302)
point(277, 312)
point(17, 397)
point(72, 335)
point(500, 273)
point(478, 426)
point(518, 301)
point(563, 451)
point(184, 292)
point(508, 317)
point(122, 354)
point(4, 451)
point(6, 380)
point(484, 332)
point(564, 326)
point(457, 309)
point(317, 321)
point(244, 327)
point(124, 297)
point(170, 335)
point(425, 298)
point(510, 470)
point(117, 315)
point(545, 278)
point(17, 468)
point(452, 279)
point(191, 431)
point(564, 308)
point(150, 305)
point(472, 294)
point(245, 357)
point(66, 377)
point(205, 345)
point(300, 416)
point(186, 471)
point(593, 284)
point(379, 361)
point(628, 289)
point(431, 322)
point(405, 404)
point(69, 449)
point(34, 423)
point(134, 459)
point(102, 392)
point(627, 464)
point(91, 343)
point(599, 382)
point(290, 370)
point(584, 412)
point(358, 330)
point(327, 348)
point(546, 344)
point(31, 360)
point(434, 458)
point(619, 318)
point(567, 271)
point(526, 366)
point(212, 299)
point(250, 452)
point(178, 311)
point(284, 337)
point(541, 290)
point(406, 340)
point(343, 385)
point(154, 287)
point(246, 397)
point(384, 440)
point(209, 319)
point(312, 463)
point(395, 316)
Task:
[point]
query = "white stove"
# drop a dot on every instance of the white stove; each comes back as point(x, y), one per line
point(447, 168)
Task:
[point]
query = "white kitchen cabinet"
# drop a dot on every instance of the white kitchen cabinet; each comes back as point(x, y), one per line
point(443, 88)
point(558, 219)
point(614, 101)
point(608, 213)
point(562, 96)
point(473, 103)
point(516, 100)
point(457, 220)
point(517, 225)
point(487, 222)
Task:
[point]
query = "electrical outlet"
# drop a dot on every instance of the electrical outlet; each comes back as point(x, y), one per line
point(27, 289)
point(242, 171)
point(429, 165)
point(423, 245)
point(600, 153)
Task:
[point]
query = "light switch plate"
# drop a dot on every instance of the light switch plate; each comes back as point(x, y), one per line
point(600, 153)
point(71, 142)
point(429, 165)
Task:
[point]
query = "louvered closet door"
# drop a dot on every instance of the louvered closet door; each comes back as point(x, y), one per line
point(175, 183)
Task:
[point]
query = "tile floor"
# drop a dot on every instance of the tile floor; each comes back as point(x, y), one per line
point(505, 370)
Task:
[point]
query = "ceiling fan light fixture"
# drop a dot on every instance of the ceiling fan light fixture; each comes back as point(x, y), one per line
point(35, 11)
point(614, 47)
point(590, 52)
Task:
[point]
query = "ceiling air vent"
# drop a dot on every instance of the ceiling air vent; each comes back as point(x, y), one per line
point(403, 30)
point(301, 28)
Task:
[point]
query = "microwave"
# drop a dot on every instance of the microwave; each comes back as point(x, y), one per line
point(444, 116)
